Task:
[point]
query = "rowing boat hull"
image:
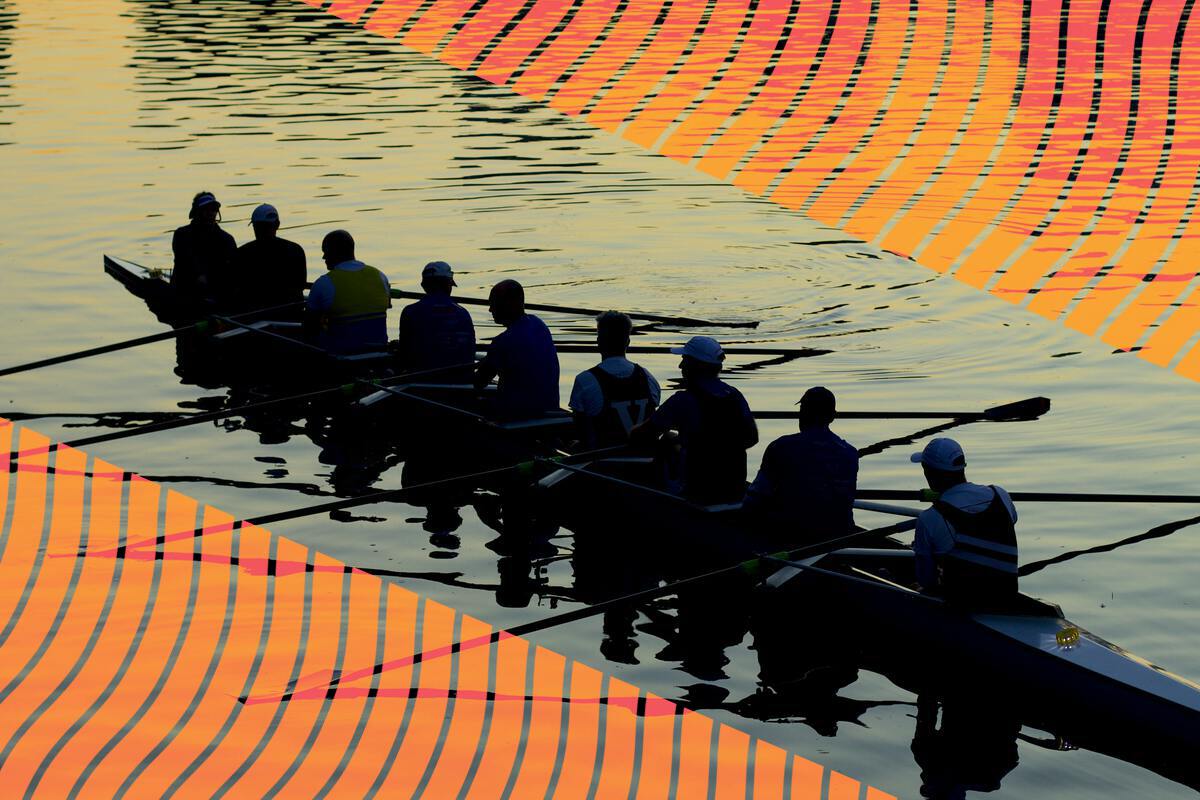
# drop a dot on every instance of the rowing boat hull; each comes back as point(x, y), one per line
point(1052, 674)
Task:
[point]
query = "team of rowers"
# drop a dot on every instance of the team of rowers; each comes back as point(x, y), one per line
point(965, 543)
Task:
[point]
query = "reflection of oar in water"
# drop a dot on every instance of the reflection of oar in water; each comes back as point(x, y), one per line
point(1156, 532)
point(751, 566)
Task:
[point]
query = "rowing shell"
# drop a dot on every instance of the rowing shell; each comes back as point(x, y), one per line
point(1060, 677)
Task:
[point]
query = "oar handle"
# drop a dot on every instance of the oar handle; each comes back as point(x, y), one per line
point(886, 508)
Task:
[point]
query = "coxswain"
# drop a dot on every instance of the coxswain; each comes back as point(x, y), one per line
point(522, 357)
point(348, 304)
point(437, 332)
point(203, 256)
point(269, 271)
point(714, 424)
point(615, 395)
point(965, 544)
point(807, 479)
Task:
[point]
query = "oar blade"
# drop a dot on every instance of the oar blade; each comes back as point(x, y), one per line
point(1030, 408)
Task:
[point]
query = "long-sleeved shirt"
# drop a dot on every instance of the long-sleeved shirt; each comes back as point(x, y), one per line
point(808, 478)
point(437, 332)
point(524, 359)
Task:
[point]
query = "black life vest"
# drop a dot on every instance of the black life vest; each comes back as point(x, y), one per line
point(626, 402)
point(715, 456)
point(981, 569)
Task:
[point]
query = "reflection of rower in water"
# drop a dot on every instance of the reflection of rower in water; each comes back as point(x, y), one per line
point(203, 256)
point(435, 331)
point(714, 424)
point(972, 750)
point(522, 356)
point(965, 544)
point(270, 270)
point(615, 395)
point(348, 304)
point(807, 479)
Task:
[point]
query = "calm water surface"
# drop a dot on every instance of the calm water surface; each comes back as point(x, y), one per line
point(113, 114)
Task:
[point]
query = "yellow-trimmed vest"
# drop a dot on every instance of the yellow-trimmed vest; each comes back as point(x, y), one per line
point(358, 295)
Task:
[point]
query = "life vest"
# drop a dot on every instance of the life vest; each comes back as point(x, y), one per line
point(626, 402)
point(358, 295)
point(714, 458)
point(981, 568)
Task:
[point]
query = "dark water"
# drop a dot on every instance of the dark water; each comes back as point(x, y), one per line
point(113, 114)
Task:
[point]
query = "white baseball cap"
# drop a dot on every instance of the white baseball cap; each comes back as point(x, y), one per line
point(701, 348)
point(264, 213)
point(941, 454)
point(438, 269)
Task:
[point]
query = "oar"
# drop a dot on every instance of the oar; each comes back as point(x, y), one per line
point(116, 416)
point(462, 412)
point(108, 348)
point(591, 312)
point(620, 482)
point(573, 348)
point(128, 343)
point(1033, 407)
point(927, 496)
point(1157, 532)
point(1030, 408)
point(790, 352)
point(312, 348)
point(885, 508)
point(751, 567)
